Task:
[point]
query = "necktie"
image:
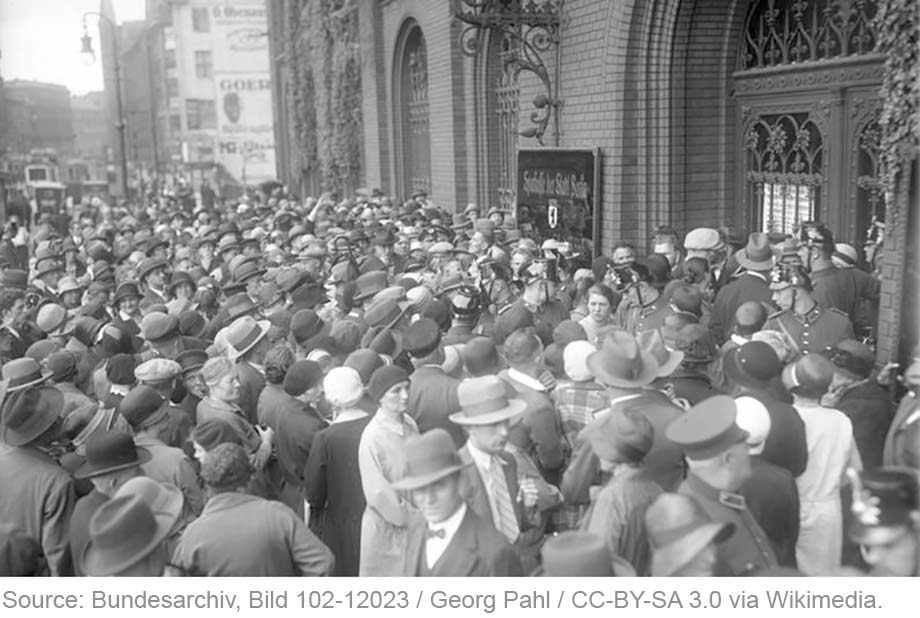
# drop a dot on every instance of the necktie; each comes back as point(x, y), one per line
point(507, 522)
point(440, 533)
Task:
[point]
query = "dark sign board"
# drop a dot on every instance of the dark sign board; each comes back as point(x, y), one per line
point(558, 195)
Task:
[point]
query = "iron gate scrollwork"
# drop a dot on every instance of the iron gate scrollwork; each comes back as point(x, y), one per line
point(784, 155)
point(782, 32)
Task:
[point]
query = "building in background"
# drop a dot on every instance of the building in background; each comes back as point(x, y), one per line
point(755, 115)
point(210, 63)
point(90, 137)
point(38, 117)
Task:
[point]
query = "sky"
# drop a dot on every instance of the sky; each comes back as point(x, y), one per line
point(40, 40)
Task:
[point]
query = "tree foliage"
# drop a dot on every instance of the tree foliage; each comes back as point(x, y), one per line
point(897, 24)
point(323, 75)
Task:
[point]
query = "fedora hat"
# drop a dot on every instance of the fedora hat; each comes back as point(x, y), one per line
point(246, 271)
point(623, 435)
point(678, 530)
point(383, 341)
point(430, 457)
point(621, 362)
point(244, 333)
point(227, 243)
point(164, 499)
point(384, 311)
point(384, 238)
point(576, 554)
point(69, 284)
point(668, 360)
point(109, 452)
point(484, 401)
point(370, 284)
point(757, 254)
point(30, 413)
point(239, 305)
point(23, 372)
point(123, 532)
point(126, 290)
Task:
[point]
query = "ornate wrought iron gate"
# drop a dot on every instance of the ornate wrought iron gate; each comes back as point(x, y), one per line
point(806, 89)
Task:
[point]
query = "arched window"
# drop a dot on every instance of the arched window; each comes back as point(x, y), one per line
point(791, 31)
point(414, 162)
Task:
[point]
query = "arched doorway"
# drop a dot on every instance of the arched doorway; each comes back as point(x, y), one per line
point(806, 88)
point(413, 160)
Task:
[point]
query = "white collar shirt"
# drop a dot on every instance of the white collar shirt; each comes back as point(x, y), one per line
point(436, 546)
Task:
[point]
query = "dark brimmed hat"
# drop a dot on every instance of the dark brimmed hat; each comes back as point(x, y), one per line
point(29, 413)
point(305, 324)
point(143, 407)
point(620, 435)
point(62, 365)
point(365, 361)
point(369, 284)
point(123, 532)
point(111, 451)
point(758, 254)
point(178, 278)
point(430, 457)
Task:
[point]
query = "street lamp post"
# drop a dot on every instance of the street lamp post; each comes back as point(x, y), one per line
point(87, 48)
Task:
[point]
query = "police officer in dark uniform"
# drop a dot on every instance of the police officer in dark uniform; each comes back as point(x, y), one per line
point(719, 463)
point(643, 307)
point(539, 297)
point(808, 326)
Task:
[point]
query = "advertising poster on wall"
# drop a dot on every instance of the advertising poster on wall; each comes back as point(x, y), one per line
point(246, 141)
point(559, 195)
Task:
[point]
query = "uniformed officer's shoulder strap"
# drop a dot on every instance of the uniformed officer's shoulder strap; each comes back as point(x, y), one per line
point(775, 315)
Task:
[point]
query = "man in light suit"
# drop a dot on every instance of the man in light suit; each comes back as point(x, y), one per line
point(452, 540)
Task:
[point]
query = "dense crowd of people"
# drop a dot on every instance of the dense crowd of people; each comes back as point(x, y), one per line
point(363, 388)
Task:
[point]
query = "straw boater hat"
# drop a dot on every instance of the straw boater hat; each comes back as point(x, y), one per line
point(430, 457)
point(678, 530)
point(483, 401)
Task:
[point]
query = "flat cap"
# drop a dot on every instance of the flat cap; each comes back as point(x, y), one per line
point(159, 327)
point(157, 369)
point(702, 239)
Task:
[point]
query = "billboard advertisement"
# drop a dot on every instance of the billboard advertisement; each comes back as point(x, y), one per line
point(246, 141)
